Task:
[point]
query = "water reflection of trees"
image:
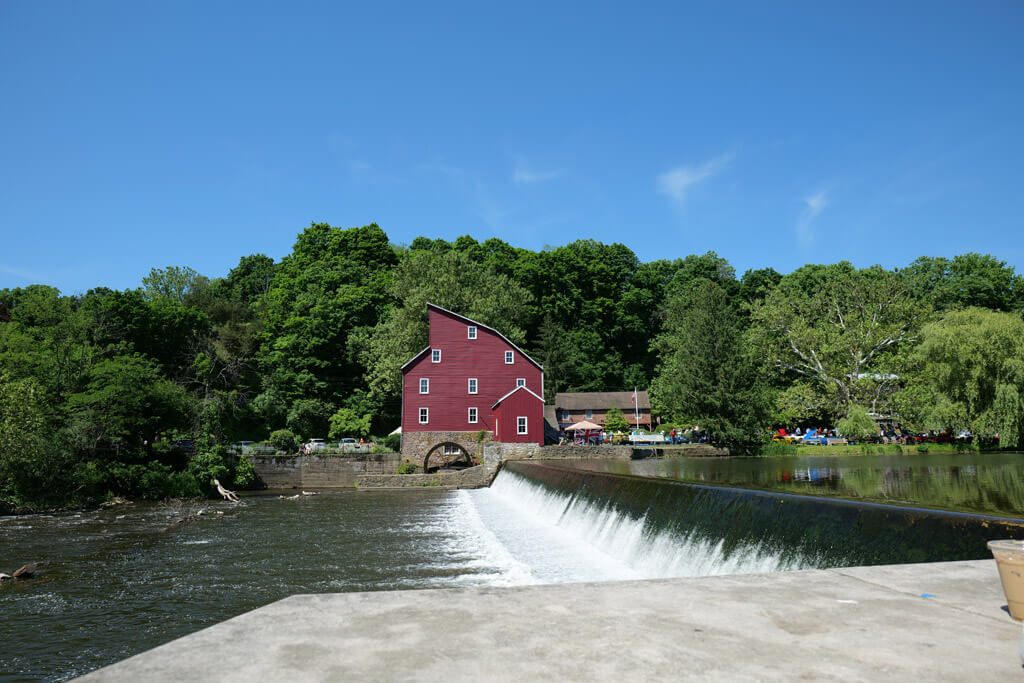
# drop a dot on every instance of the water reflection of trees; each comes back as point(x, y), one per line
point(996, 489)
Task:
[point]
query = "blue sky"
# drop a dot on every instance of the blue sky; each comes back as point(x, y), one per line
point(136, 134)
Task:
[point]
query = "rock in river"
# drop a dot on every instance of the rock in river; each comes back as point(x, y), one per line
point(27, 571)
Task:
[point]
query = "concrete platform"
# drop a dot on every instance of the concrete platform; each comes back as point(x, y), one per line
point(854, 624)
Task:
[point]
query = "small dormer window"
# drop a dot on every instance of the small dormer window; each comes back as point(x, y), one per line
point(471, 332)
point(435, 356)
point(520, 382)
point(424, 385)
point(509, 358)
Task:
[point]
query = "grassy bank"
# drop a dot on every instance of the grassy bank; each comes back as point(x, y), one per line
point(869, 449)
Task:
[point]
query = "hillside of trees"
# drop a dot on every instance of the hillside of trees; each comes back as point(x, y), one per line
point(96, 389)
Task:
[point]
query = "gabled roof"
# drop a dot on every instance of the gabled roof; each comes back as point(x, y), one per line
point(470, 321)
point(414, 358)
point(602, 400)
point(523, 388)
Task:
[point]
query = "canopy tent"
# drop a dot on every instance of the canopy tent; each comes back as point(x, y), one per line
point(397, 431)
point(583, 425)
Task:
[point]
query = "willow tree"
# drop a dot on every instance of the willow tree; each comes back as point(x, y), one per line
point(841, 330)
point(972, 374)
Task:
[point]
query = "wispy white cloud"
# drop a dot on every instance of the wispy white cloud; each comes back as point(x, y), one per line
point(19, 272)
point(676, 182)
point(524, 175)
point(813, 206)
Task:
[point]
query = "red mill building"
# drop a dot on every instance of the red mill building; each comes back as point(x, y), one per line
point(470, 378)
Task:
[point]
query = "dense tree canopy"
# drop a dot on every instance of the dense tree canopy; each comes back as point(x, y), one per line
point(137, 392)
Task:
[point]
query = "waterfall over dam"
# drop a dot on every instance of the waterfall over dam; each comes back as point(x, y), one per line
point(640, 527)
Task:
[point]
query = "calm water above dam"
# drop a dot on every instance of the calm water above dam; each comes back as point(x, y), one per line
point(122, 580)
point(989, 483)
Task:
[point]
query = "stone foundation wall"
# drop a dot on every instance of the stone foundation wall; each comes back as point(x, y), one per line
point(416, 444)
point(469, 478)
point(496, 452)
point(322, 471)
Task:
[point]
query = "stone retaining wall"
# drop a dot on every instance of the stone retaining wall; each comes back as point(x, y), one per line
point(469, 478)
point(496, 452)
point(322, 471)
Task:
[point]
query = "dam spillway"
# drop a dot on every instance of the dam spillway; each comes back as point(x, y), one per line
point(662, 528)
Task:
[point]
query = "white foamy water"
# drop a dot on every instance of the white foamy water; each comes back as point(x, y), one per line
point(561, 538)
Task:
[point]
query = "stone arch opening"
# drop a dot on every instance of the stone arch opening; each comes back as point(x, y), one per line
point(446, 455)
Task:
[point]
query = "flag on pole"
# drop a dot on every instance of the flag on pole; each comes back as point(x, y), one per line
point(634, 395)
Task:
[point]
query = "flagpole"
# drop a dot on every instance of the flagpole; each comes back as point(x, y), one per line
point(636, 407)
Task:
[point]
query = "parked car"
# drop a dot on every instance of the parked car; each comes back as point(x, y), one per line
point(314, 446)
point(186, 445)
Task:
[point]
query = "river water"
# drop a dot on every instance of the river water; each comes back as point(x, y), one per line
point(119, 581)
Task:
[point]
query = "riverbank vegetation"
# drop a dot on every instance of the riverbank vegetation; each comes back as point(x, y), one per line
point(139, 392)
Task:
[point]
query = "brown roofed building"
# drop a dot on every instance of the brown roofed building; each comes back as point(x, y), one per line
point(571, 408)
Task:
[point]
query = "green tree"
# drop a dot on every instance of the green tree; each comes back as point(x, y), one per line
point(331, 285)
point(284, 440)
point(347, 422)
point(615, 421)
point(124, 402)
point(840, 329)
point(34, 468)
point(173, 282)
point(857, 424)
point(310, 417)
point(706, 375)
point(966, 280)
point(971, 366)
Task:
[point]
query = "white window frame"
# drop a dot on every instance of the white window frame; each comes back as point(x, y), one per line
point(510, 357)
point(520, 382)
point(471, 332)
point(522, 425)
point(474, 415)
point(424, 416)
point(589, 415)
point(449, 449)
point(435, 355)
point(472, 385)
point(424, 385)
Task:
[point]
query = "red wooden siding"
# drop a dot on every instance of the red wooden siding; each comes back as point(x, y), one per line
point(507, 413)
point(462, 358)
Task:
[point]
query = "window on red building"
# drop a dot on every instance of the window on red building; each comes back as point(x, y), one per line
point(472, 415)
point(424, 415)
point(521, 425)
point(472, 385)
point(424, 385)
